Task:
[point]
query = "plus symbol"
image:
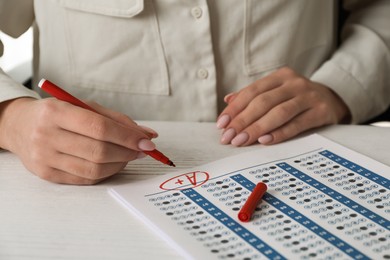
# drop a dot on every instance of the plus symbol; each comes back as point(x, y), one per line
point(180, 182)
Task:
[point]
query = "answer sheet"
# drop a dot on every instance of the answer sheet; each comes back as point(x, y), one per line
point(324, 201)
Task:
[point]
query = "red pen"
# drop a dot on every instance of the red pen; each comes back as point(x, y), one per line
point(61, 94)
point(251, 203)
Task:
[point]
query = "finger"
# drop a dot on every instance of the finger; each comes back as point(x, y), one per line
point(83, 168)
point(247, 94)
point(230, 97)
point(61, 177)
point(117, 116)
point(276, 117)
point(260, 106)
point(224, 119)
point(101, 128)
point(237, 102)
point(149, 131)
point(301, 123)
point(121, 118)
point(91, 149)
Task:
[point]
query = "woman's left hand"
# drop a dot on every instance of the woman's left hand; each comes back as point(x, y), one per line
point(278, 107)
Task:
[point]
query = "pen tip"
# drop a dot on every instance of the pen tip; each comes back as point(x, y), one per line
point(172, 164)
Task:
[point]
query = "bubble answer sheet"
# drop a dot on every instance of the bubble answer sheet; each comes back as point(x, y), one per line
point(324, 201)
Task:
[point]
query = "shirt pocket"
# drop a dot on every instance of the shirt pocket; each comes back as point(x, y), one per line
point(280, 32)
point(115, 45)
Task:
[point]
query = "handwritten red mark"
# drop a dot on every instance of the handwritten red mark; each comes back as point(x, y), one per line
point(185, 181)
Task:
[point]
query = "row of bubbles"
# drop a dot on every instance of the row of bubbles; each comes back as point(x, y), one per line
point(247, 255)
point(294, 235)
point(341, 179)
point(321, 166)
point(192, 211)
point(303, 242)
point(275, 178)
point(269, 213)
point(373, 194)
point(350, 224)
point(369, 235)
point(233, 255)
point(336, 255)
point(311, 162)
point(379, 241)
point(271, 226)
point(167, 202)
point(191, 221)
point(310, 198)
point(236, 202)
point(216, 231)
point(293, 188)
point(335, 214)
point(216, 183)
point(287, 229)
point(221, 193)
point(380, 199)
point(277, 184)
point(342, 219)
point(223, 241)
point(165, 197)
point(268, 226)
point(277, 172)
point(312, 250)
point(218, 238)
point(212, 235)
point(351, 186)
point(330, 173)
point(384, 249)
point(198, 226)
point(338, 174)
point(242, 194)
point(307, 193)
point(307, 158)
point(172, 207)
point(221, 187)
point(264, 228)
point(322, 209)
point(261, 170)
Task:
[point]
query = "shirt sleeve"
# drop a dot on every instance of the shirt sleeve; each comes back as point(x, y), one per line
point(16, 17)
point(10, 89)
point(359, 70)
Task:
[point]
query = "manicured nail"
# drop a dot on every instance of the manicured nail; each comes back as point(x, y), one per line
point(146, 145)
point(223, 121)
point(265, 139)
point(228, 97)
point(141, 155)
point(151, 132)
point(240, 139)
point(228, 135)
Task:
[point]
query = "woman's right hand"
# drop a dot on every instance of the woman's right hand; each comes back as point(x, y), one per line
point(63, 143)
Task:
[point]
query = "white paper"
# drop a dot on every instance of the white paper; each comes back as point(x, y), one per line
point(323, 201)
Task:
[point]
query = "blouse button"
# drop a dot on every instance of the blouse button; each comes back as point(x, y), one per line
point(203, 73)
point(196, 12)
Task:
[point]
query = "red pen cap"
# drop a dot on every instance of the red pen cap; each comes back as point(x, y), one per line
point(251, 203)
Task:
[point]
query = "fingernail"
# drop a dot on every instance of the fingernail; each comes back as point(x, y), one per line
point(223, 121)
point(141, 155)
point(153, 134)
point(146, 145)
point(240, 139)
point(265, 139)
point(228, 97)
point(228, 135)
